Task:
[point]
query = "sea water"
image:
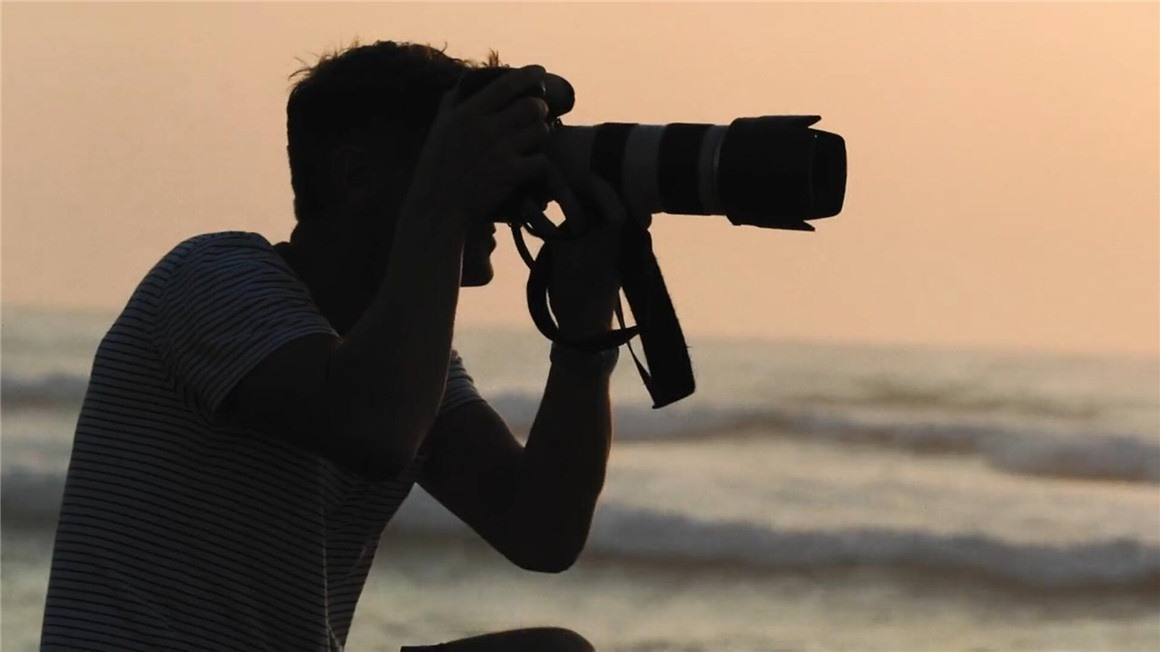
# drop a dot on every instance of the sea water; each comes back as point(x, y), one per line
point(806, 497)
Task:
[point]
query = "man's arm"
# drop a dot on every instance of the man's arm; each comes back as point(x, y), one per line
point(533, 504)
point(338, 397)
point(367, 401)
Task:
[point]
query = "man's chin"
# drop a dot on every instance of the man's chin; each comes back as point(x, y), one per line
point(475, 276)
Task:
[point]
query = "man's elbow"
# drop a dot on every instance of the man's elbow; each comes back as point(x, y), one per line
point(381, 468)
point(551, 556)
point(380, 460)
point(383, 449)
point(548, 563)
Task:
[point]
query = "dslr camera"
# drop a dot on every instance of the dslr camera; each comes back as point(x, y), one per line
point(769, 171)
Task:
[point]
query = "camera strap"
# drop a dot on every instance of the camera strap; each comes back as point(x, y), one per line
point(669, 376)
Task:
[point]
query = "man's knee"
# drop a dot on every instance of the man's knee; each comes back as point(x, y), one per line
point(559, 639)
point(534, 639)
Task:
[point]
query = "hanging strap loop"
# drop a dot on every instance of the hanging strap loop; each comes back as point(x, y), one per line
point(669, 376)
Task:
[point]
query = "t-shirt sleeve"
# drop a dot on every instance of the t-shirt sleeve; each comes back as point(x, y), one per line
point(460, 388)
point(225, 305)
point(459, 391)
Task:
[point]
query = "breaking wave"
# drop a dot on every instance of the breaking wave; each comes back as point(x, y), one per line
point(647, 535)
point(1020, 450)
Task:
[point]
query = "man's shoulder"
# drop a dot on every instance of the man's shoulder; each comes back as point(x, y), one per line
point(219, 239)
point(207, 258)
point(207, 249)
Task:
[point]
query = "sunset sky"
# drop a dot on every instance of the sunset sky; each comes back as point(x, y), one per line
point(1004, 188)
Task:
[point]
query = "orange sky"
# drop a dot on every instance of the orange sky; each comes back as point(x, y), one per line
point(1003, 183)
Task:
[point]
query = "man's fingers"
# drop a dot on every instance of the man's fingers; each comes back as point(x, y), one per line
point(532, 168)
point(502, 91)
point(531, 138)
point(528, 112)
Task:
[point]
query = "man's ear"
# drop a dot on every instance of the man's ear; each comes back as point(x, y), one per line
point(353, 173)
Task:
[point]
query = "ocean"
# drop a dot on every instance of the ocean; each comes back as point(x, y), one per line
point(806, 497)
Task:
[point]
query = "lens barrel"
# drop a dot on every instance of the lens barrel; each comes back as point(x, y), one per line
point(770, 171)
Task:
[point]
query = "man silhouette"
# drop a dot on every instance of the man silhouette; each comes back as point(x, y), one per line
point(258, 413)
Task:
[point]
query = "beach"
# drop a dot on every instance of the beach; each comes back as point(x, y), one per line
point(427, 589)
point(808, 497)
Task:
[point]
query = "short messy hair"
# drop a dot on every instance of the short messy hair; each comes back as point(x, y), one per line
point(355, 88)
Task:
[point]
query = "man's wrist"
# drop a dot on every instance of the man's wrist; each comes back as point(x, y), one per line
point(433, 210)
point(570, 331)
point(599, 363)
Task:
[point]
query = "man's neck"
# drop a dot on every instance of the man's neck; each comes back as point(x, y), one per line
point(338, 288)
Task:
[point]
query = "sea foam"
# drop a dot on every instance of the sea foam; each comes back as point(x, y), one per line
point(31, 498)
point(645, 535)
point(1073, 453)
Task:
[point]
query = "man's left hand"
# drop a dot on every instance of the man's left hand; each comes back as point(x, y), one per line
point(585, 281)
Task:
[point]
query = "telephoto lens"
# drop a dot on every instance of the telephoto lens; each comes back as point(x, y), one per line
point(771, 171)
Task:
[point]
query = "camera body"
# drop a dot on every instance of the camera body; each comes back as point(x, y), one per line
point(768, 171)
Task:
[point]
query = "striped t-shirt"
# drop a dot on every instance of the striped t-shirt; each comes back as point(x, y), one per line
point(179, 533)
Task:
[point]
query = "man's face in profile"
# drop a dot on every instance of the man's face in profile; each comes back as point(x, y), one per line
point(477, 269)
point(477, 249)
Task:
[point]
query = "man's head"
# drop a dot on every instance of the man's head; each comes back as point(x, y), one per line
point(356, 124)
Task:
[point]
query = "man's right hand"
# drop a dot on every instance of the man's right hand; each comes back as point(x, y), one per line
point(368, 400)
point(482, 148)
